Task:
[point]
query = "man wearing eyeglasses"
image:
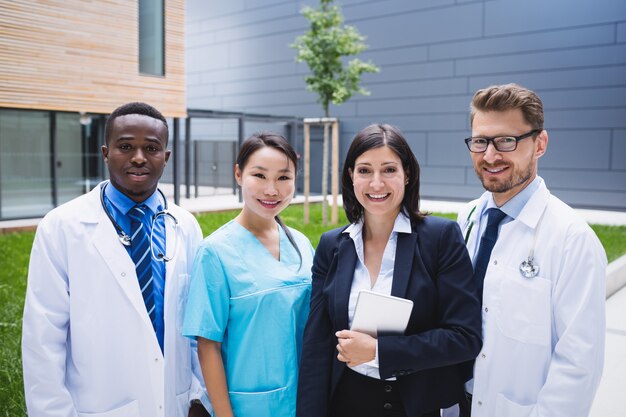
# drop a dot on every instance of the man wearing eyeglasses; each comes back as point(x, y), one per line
point(540, 268)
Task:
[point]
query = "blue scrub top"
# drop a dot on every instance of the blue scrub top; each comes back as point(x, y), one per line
point(257, 307)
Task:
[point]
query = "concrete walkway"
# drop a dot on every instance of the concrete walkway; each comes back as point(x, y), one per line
point(609, 400)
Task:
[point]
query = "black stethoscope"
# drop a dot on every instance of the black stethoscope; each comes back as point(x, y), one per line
point(125, 238)
point(528, 268)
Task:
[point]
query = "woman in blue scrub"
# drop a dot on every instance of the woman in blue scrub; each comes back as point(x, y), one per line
point(250, 289)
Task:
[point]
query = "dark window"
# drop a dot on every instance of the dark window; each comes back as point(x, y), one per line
point(152, 37)
point(25, 163)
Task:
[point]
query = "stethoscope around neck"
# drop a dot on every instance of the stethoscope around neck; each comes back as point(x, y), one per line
point(126, 240)
point(527, 268)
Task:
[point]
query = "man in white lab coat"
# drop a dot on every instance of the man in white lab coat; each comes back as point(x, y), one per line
point(544, 280)
point(94, 343)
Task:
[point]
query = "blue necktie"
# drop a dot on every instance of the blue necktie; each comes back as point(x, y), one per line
point(140, 252)
point(487, 242)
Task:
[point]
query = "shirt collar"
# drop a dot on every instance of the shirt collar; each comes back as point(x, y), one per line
point(123, 203)
point(402, 224)
point(515, 205)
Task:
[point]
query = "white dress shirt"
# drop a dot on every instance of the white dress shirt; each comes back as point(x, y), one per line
point(362, 280)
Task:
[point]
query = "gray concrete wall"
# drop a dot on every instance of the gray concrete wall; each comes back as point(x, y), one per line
point(433, 55)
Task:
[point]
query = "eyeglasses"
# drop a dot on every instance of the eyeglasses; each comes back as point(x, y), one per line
point(501, 143)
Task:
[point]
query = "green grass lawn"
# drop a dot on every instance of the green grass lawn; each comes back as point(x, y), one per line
point(613, 239)
point(14, 254)
point(15, 251)
point(292, 216)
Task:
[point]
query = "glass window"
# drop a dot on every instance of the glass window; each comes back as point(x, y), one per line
point(25, 170)
point(70, 160)
point(152, 37)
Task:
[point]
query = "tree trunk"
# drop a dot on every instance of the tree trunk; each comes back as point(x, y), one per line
point(325, 176)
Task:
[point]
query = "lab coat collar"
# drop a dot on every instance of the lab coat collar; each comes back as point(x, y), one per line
point(92, 210)
point(532, 211)
point(530, 214)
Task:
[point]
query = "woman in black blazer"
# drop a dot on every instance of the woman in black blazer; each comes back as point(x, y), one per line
point(393, 248)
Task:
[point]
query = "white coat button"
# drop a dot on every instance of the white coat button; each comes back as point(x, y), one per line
point(486, 309)
point(495, 262)
point(483, 356)
point(480, 403)
point(123, 274)
point(156, 359)
point(160, 407)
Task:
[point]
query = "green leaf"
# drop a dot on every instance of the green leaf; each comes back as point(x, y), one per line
point(324, 48)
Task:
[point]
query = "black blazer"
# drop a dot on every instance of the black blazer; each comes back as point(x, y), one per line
point(435, 356)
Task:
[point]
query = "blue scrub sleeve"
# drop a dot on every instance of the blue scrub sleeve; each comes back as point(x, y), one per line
point(206, 314)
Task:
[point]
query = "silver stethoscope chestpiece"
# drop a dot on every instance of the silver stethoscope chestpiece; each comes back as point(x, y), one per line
point(528, 269)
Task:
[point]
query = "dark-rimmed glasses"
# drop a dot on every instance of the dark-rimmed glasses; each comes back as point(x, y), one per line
point(501, 143)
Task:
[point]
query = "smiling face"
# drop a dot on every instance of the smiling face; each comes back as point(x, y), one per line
point(506, 173)
point(136, 155)
point(267, 183)
point(379, 180)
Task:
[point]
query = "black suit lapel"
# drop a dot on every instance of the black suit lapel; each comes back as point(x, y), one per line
point(346, 262)
point(405, 251)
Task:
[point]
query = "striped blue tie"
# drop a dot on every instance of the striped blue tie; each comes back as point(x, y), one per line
point(141, 254)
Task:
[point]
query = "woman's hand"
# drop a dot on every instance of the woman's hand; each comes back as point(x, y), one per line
point(355, 348)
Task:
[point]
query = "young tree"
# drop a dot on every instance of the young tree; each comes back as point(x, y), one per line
point(323, 47)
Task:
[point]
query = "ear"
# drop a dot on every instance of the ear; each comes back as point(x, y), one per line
point(351, 174)
point(167, 156)
point(541, 144)
point(237, 174)
point(105, 153)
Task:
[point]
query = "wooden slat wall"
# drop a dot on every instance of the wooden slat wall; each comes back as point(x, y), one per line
point(82, 55)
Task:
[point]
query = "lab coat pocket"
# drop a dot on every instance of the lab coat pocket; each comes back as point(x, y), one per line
point(524, 312)
point(129, 410)
point(265, 403)
point(508, 408)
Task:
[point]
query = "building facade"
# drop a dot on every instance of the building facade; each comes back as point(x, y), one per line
point(64, 65)
point(433, 55)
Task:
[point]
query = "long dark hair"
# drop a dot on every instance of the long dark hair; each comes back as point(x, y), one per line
point(377, 136)
point(278, 142)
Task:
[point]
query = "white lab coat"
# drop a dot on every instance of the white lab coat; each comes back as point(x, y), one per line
point(543, 350)
point(88, 346)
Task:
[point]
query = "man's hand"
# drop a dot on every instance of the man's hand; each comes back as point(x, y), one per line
point(355, 348)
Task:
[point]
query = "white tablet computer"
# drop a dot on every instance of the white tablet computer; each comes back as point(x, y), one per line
point(377, 312)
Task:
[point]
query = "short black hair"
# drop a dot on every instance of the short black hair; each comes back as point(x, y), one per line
point(134, 108)
point(377, 136)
